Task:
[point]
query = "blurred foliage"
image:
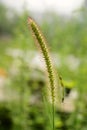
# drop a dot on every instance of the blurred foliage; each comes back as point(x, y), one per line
point(67, 38)
point(5, 118)
point(8, 20)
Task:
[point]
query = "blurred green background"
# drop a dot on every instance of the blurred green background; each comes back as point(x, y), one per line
point(22, 74)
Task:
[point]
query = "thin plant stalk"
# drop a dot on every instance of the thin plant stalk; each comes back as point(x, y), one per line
point(42, 44)
point(40, 40)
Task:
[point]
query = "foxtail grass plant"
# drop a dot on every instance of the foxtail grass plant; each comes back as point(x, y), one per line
point(40, 40)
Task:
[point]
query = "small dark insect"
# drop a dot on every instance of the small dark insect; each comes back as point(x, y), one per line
point(63, 89)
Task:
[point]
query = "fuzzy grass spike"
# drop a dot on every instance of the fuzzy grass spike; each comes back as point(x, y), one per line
point(43, 46)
